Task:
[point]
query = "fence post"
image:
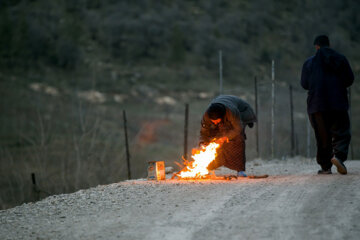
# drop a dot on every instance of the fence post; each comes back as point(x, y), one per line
point(220, 73)
point(257, 117)
point(35, 188)
point(296, 144)
point(292, 121)
point(272, 109)
point(186, 130)
point(350, 117)
point(308, 138)
point(127, 147)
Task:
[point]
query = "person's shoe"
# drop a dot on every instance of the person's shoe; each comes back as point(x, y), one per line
point(325, 171)
point(339, 165)
point(241, 174)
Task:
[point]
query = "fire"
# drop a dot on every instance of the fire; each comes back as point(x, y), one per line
point(202, 158)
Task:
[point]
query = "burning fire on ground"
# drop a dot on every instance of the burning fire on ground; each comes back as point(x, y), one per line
point(201, 159)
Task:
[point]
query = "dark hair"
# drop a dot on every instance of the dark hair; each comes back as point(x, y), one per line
point(216, 111)
point(322, 41)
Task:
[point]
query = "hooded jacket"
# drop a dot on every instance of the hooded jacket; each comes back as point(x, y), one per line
point(238, 114)
point(326, 76)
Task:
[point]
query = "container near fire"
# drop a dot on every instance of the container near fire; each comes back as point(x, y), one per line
point(156, 170)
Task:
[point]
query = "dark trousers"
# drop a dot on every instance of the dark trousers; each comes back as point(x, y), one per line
point(332, 132)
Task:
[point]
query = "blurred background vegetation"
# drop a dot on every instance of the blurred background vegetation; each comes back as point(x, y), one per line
point(69, 67)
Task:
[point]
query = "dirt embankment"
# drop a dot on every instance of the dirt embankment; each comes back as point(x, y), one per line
point(293, 203)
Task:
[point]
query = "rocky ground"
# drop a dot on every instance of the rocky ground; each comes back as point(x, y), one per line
point(293, 203)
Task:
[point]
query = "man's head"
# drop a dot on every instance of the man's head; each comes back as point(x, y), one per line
point(321, 41)
point(216, 112)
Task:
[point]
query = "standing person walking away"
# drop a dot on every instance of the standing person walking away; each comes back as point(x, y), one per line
point(326, 76)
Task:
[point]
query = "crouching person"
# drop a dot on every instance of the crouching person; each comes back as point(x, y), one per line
point(227, 116)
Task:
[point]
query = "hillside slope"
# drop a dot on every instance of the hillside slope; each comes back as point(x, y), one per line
point(69, 68)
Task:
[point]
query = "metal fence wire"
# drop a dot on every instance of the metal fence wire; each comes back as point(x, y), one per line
point(290, 121)
point(78, 144)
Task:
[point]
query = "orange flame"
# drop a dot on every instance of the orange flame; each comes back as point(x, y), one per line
point(202, 158)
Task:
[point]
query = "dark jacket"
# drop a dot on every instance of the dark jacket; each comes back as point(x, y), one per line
point(326, 76)
point(238, 114)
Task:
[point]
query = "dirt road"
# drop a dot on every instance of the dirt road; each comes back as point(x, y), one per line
point(293, 203)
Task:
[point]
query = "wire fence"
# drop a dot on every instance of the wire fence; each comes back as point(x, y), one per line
point(290, 119)
point(74, 143)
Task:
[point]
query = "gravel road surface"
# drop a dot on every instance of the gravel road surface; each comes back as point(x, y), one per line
point(293, 203)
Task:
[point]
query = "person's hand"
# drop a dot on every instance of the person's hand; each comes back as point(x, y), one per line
point(222, 140)
point(202, 144)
